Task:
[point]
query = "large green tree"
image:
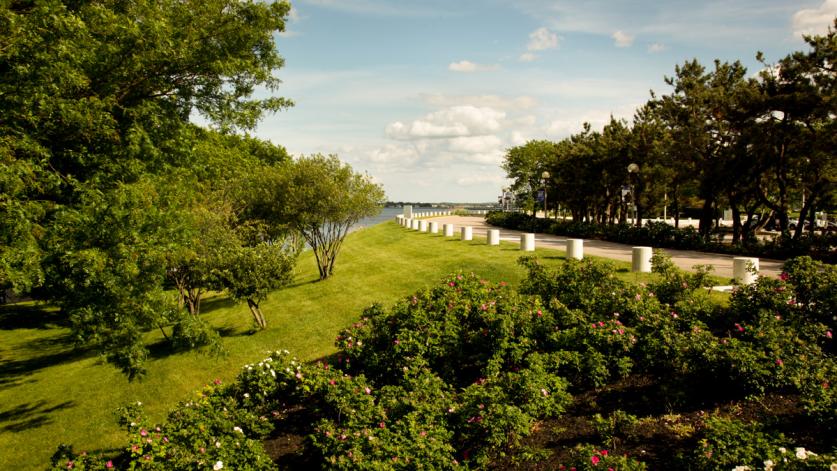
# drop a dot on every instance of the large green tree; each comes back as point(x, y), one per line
point(100, 157)
point(320, 198)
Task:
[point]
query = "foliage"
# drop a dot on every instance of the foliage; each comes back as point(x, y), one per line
point(676, 285)
point(614, 428)
point(321, 198)
point(469, 334)
point(590, 458)
point(460, 374)
point(106, 184)
point(251, 273)
point(719, 138)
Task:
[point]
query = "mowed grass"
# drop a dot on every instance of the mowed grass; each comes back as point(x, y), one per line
point(51, 393)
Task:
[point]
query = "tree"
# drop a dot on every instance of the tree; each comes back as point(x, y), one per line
point(96, 99)
point(322, 198)
point(697, 116)
point(251, 273)
point(525, 164)
point(794, 138)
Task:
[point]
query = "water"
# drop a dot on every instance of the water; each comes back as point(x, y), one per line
point(387, 214)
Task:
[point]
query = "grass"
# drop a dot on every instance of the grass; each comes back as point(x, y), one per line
point(52, 393)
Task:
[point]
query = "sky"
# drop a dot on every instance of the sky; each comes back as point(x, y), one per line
point(426, 96)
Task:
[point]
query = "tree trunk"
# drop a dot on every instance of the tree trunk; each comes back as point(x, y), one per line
point(193, 301)
point(675, 206)
point(736, 222)
point(706, 217)
point(257, 314)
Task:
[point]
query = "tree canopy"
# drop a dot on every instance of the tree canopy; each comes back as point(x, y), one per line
point(321, 198)
point(108, 191)
point(762, 145)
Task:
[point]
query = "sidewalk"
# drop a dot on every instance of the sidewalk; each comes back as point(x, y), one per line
point(684, 259)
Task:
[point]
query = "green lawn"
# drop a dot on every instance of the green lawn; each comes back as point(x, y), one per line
point(51, 393)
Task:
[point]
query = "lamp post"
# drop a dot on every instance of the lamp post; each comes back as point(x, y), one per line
point(633, 170)
point(545, 177)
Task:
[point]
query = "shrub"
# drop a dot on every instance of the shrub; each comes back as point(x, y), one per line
point(587, 457)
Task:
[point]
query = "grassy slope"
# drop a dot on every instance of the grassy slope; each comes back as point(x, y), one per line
point(50, 393)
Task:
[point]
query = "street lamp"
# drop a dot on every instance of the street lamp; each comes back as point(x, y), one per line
point(545, 177)
point(633, 170)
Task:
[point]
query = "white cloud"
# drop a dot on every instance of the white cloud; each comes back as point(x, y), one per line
point(455, 121)
point(656, 47)
point(393, 155)
point(468, 66)
point(522, 102)
point(814, 21)
point(527, 57)
point(569, 122)
point(476, 144)
point(518, 139)
point(542, 39)
point(622, 39)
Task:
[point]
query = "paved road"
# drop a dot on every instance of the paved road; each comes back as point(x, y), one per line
point(684, 259)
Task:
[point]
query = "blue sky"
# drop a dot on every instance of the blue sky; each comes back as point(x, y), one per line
point(427, 95)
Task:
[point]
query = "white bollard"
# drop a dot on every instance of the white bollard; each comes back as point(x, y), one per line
point(414, 225)
point(527, 242)
point(448, 230)
point(494, 237)
point(408, 211)
point(406, 222)
point(575, 248)
point(423, 225)
point(641, 259)
point(434, 227)
point(741, 270)
point(467, 233)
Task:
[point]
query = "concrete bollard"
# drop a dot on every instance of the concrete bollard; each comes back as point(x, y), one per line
point(467, 233)
point(423, 225)
point(406, 222)
point(641, 259)
point(448, 230)
point(575, 248)
point(414, 225)
point(434, 227)
point(494, 237)
point(527, 242)
point(408, 211)
point(741, 270)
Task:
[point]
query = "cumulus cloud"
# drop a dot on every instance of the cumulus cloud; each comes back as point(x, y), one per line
point(468, 66)
point(518, 138)
point(622, 39)
point(476, 144)
point(393, 154)
point(542, 39)
point(656, 47)
point(814, 21)
point(527, 57)
point(497, 102)
point(455, 121)
point(569, 122)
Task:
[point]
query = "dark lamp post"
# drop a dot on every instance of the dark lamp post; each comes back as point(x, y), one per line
point(633, 170)
point(545, 177)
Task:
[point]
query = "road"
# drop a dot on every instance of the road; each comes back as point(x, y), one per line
point(684, 259)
